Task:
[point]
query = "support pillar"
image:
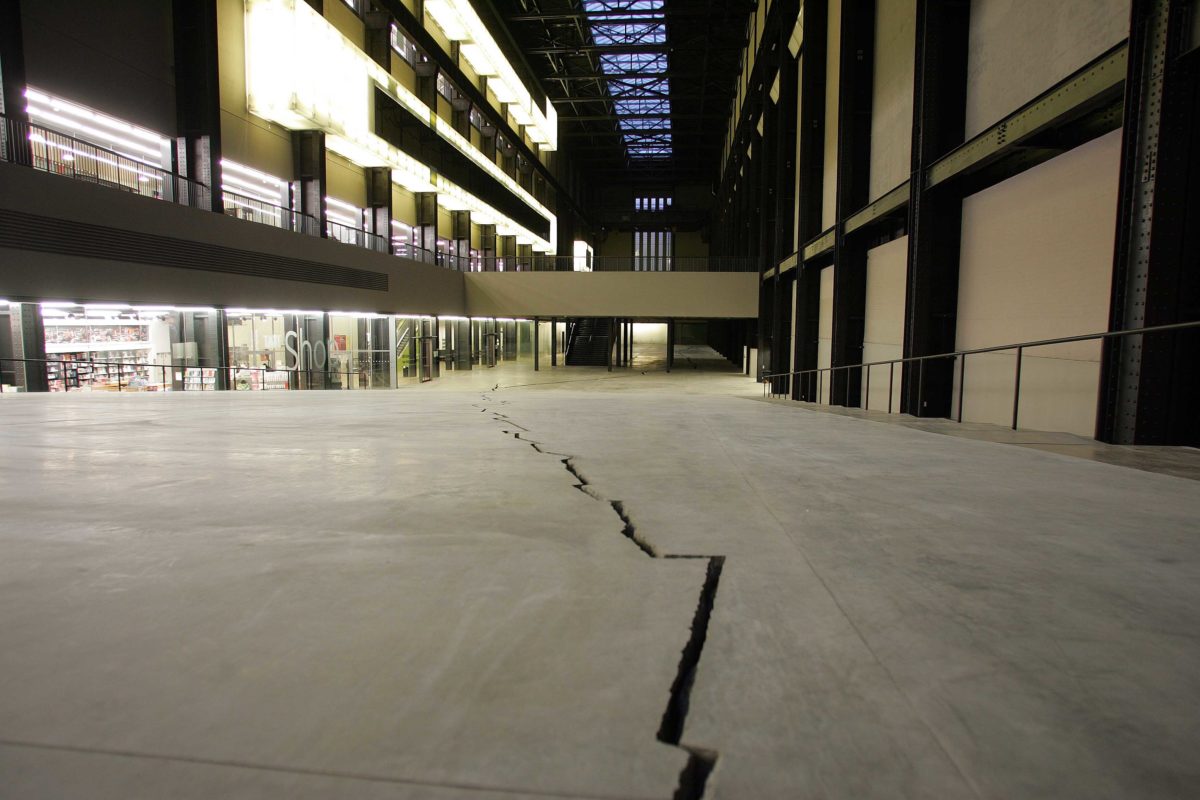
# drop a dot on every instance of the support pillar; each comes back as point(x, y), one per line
point(536, 344)
point(810, 171)
point(608, 344)
point(309, 186)
point(378, 37)
point(487, 248)
point(198, 99)
point(29, 341)
point(853, 192)
point(379, 203)
point(670, 344)
point(427, 226)
point(460, 240)
point(935, 215)
point(1149, 387)
point(507, 246)
point(12, 75)
point(554, 341)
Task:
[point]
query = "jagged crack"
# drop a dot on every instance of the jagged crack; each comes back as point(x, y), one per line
point(671, 729)
point(693, 780)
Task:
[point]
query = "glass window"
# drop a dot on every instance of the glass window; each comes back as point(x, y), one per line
point(651, 203)
point(444, 87)
point(652, 251)
point(404, 46)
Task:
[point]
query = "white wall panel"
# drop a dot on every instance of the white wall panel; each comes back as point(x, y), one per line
point(883, 335)
point(1020, 48)
point(825, 332)
point(1037, 255)
point(892, 94)
point(832, 78)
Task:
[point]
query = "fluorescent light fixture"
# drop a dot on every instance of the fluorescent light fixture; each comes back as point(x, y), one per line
point(459, 21)
point(331, 88)
point(104, 130)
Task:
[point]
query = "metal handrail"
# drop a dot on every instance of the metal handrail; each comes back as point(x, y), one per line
point(162, 368)
point(345, 234)
point(769, 379)
point(49, 150)
point(254, 210)
point(546, 263)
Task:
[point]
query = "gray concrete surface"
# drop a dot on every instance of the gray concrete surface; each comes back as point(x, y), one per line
point(387, 594)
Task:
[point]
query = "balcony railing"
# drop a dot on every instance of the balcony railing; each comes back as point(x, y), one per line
point(355, 236)
point(540, 263)
point(58, 153)
point(815, 385)
point(52, 151)
point(252, 210)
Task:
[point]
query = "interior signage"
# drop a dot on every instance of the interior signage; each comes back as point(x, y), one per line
point(308, 355)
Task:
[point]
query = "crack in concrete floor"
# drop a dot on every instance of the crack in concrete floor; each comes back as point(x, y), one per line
point(702, 762)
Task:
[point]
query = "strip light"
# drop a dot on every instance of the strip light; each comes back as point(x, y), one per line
point(137, 143)
point(460, 23)
point(331, 89)
point(458, 199)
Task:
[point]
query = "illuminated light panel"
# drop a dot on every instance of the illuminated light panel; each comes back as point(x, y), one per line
point(252, 184)
point(100, 129)
point(459, 21)
point(331, 89)
point(455, 198)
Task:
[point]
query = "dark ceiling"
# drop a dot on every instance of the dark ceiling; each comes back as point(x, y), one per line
point(642, 87)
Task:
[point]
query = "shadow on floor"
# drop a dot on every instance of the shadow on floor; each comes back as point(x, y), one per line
point(1180, 462)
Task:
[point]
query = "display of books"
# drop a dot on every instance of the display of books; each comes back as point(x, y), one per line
point(199, 379)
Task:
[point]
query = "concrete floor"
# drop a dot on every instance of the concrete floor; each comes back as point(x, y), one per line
point(393, 595)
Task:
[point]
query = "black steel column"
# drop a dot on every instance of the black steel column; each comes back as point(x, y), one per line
point(427, 74)
point(536, 343)
point(487, 247)
point(935, 216)
point(608, 344)
point(1150, 391)
point(12, 75)
point(198, 97)
point(670, 344)
point(811, 176)
point(786, 126)
point(460, 239)
point(308, 186)
point(508, 251)
point(379, 203)
point(29, 341)
point(427, 225)
point(377, 26)
point(857, 67)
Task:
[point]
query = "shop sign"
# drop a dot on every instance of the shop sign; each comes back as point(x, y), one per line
point(307, 355)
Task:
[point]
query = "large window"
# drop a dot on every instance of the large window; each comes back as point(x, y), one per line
point(652, 251)
point(404, 46)
point(651, 203)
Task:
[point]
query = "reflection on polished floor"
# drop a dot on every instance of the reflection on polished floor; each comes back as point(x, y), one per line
point(407, 595)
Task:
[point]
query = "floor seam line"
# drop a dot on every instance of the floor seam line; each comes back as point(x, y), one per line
point(316, 773)
point(853, 626)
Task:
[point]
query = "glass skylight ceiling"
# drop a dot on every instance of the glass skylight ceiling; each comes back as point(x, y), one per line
point(638, 84)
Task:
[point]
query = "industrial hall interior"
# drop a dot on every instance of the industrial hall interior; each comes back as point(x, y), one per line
point(600, 399)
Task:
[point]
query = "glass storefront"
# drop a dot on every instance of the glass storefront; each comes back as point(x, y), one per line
point(126, 348)
point(108, 349)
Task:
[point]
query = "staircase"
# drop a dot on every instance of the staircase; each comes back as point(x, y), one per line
point(589, 342)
